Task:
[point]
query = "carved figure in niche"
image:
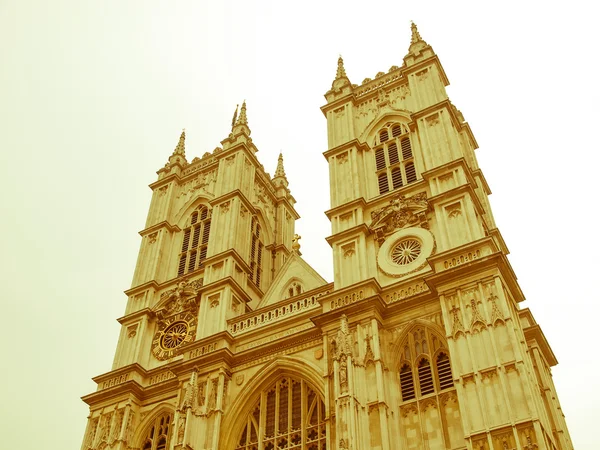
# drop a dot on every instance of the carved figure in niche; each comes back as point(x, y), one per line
point(212, 400)
point(401, 212)
point(181, 430)
point(343, 376)
point(202, 392)
point(341, 344)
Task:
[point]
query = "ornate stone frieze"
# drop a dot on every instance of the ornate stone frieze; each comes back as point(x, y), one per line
point(400, 213)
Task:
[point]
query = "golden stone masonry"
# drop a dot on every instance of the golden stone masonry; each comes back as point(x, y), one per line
point(231, 341)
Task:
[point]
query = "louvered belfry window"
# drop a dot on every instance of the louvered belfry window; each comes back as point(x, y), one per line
point(158, 434)
point(394, 160)
point(256, 252)
point(425, 365)
point(288, 415)
point(195, 241)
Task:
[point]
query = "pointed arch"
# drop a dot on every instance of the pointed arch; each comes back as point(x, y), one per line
point(379, 121)
point(397, 353)
point(140, 433)
point(186, 210)
point(286, 366)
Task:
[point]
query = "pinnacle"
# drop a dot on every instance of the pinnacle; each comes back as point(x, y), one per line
point(242, 119)
point(180, 149)
point(234, 116)
point(341, 71)
point(415, 35)
point(280, 172)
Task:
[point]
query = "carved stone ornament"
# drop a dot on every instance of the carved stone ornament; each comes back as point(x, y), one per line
point(341, 344)
point(182, 298)
point(400, 213)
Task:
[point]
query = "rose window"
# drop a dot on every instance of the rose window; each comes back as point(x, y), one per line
point(406, 251)
point(174, 335)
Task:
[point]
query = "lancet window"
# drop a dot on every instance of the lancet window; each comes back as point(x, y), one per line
point(256, 252)
point(295, 288)
point(394, 161)
point(195, 241)
point(425, 366)
point(159, 433)
point(288, 415)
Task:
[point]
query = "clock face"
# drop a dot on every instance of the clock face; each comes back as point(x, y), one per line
point(173, 333)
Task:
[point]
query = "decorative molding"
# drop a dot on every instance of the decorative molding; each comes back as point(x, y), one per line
point(400, 213)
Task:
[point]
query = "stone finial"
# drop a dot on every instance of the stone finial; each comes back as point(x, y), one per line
point(341, 72)
point(242, 119)
point(234, 116)
point(415, 35)
point(180, 149)
point(280, 172)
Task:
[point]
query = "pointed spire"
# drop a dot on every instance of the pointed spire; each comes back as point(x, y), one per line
point(280, 172)
point(180, 149)
point(341, 71)
point(242, 119)
point(234, 116)
point(415, 35)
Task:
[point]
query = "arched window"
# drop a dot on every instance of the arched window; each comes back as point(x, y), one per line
point(425, 367)
point(158, 434)
point(256, 251)
point(290, 414)
point(394, 172)
point(195, 241)
point(295, 288)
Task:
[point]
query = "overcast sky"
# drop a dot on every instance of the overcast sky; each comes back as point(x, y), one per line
point(93, 97)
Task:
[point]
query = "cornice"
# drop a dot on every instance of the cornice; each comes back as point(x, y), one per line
point(346, 207)
point(230, 195)
point(451, 193)
point(484, 184)
point(495, 259)
point(109, 394)
point(157, 226)
point(285, 201)
point(535, 333)
point(227, 281)
point(350, 97)
point(346, 146)
point(136, 315)
point(163, 181)
point(152, 284)
point(360, 228)
point(407, 70)
point(230, 252)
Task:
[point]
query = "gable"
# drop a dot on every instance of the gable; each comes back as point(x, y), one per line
point(295, 272)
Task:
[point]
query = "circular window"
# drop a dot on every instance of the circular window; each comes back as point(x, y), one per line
point(174, 335)
point(405, 251)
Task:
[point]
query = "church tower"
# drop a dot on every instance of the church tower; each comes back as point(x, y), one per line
point(230, 340)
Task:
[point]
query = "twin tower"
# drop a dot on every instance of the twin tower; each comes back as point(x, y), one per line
point(231, 341)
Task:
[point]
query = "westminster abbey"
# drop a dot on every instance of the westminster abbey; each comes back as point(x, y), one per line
point(232, 341)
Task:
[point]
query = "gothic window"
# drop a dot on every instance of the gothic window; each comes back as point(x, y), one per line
point(195, 241)
point(295, 288)
point(158, 434)
point(394, 162)
point(256, 251)
point(425, 366)
point(290, 414)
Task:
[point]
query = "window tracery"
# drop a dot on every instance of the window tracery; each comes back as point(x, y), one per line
point(290, 414)
point(195, 241)
point(425, 366)
point(159, 433)
point(295, 288)
point(394, 168)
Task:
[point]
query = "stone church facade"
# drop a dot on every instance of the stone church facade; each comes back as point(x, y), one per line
point(231, 341)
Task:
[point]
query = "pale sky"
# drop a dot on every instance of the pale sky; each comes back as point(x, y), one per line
point(93, 97)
